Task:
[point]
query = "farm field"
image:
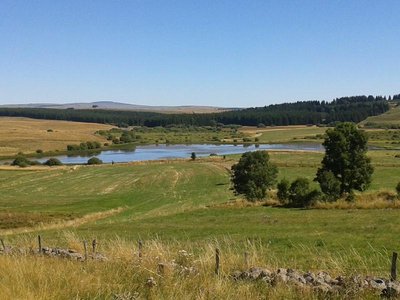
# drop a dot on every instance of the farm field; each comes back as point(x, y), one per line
point(177, 205)
point(28, 135)
point(187, 201)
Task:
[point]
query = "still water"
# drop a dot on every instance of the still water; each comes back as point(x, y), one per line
point(157, 152)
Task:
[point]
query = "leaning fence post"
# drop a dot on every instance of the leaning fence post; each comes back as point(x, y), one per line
point(85, 248)
point(140, 243)
point(217, 258)
point(40, 243)
point(3, 245)
point(393, 271)
point(94, 244)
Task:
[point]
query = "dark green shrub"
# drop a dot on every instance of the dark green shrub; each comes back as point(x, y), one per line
point(300, 194)
point(73, 148)
point(283, 190)
point(21, 161)
point(330, 186)
point(94, 161)
point(53, 162)
point(398, 189)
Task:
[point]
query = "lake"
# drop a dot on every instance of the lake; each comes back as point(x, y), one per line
point(158, 152)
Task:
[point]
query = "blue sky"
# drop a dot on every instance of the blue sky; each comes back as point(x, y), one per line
point(221, 53)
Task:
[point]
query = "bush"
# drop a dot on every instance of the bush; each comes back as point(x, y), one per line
point(330, 186)
point(39, 151)
point(53, 162)
point(283, 190)
point(94, 161)
point(21, 161)
point(253, 175)
point(193, 156)
point(300, 194)
point(398, 189)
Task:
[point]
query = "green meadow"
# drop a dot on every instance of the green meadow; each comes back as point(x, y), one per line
point(191, 202)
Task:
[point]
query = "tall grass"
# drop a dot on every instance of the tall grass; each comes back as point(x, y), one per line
point(124, 274)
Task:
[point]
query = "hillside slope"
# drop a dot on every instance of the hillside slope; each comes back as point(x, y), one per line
point(389, 119)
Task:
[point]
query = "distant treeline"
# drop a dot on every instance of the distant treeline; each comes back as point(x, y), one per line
point(351, 109)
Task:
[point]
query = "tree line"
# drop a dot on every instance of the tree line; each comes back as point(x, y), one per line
point(345, 109)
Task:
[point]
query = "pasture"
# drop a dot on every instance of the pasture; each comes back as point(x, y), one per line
point(28, 135)
point(189, 201)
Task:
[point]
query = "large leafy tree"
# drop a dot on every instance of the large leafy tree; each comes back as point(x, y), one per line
point(345, 163)
point(253, 175)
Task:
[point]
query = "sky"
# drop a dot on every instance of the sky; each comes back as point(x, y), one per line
point(222, 53)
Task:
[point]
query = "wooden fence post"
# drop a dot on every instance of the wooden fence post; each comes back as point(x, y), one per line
point(94, 244)
point(140, 248)
point(217, 261)
point(246, 259)
point(40, 244)
point(85, 247)
point(393, 270)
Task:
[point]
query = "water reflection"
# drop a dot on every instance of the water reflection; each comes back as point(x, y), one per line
point(162, 151)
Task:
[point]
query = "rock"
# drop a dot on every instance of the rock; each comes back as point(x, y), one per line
point(323, 277)
point(151, 282)
point(392, 290)
point(236, 275)
point(98, 256)
point(340, 280)
point(281, 275)
point(258, 273)
point(377, 283)
point(309, 277)
point(295, 277)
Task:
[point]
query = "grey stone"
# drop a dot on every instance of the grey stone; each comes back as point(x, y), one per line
point(377, 283)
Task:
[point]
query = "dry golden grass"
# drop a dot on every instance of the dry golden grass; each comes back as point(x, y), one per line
point(124, 275)
point(376, 200)
point(28, 135)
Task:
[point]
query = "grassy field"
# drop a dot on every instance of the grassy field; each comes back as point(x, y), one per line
point(179, 205)
point(28, 135)
point(182, 204)
point(387, 120)
point(186, 201)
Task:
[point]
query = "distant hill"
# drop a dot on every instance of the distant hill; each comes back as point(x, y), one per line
point(110, 105)
point(389, 119)
point(345, 109)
